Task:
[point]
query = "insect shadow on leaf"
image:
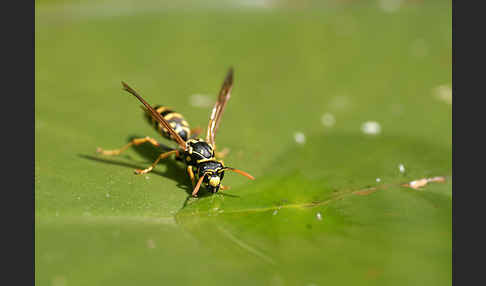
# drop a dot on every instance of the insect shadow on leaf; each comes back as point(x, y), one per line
point(173, 169)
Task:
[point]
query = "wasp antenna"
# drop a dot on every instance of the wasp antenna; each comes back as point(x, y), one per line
point(241, 173)
point(196, 189)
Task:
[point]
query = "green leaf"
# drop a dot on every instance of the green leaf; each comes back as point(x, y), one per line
point(314, 232)
point(334, 208)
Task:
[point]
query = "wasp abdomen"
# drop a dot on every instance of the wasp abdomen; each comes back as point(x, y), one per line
point(176, 121)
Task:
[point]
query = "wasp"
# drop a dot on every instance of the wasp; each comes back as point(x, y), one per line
point(199, 155)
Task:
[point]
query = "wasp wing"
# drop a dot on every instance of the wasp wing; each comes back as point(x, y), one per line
point(218, 109)
point(156, 116)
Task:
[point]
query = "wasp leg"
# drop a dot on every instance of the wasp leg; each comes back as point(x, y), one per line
point(161, 156)
point(195, 132)
point(191, 175)
point(136, 141)
point(222, 188)
point(198, 185)
point(221, 154)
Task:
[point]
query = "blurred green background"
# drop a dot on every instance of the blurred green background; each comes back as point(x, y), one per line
point(336, 105)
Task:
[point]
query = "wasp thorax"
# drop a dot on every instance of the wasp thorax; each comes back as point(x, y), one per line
point(199, 150)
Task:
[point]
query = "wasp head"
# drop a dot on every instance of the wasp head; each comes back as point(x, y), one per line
point(213, 172)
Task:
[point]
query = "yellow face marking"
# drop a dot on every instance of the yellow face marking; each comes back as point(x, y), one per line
point(188, 158)
point(214, 181)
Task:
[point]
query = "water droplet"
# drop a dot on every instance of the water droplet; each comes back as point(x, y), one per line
point(328, 120)
point(200, 100)
point(401, 168)
point(340, 101)
point(319, 216)
point(378, 180)
point(150, 243)
point(443, 93)
point(390, 6)
point(418, 183)
point(371, 128)
point(59, 281)
point(275, 212)
point(299, 137)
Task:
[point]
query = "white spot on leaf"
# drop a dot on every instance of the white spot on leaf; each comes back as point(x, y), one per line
point(328, 120)
point(417, 184)
point(371, 128)
point(443, 93)
point(200, 100)
point(299, 137)
point(150, 243)
point(340, 101)
point(390, 6)
point(401, 168)
point(59, 281)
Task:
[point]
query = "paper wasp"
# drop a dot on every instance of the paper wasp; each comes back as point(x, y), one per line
point(199, 155)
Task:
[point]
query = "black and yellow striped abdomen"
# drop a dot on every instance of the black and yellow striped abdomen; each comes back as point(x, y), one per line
point(176, 121)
